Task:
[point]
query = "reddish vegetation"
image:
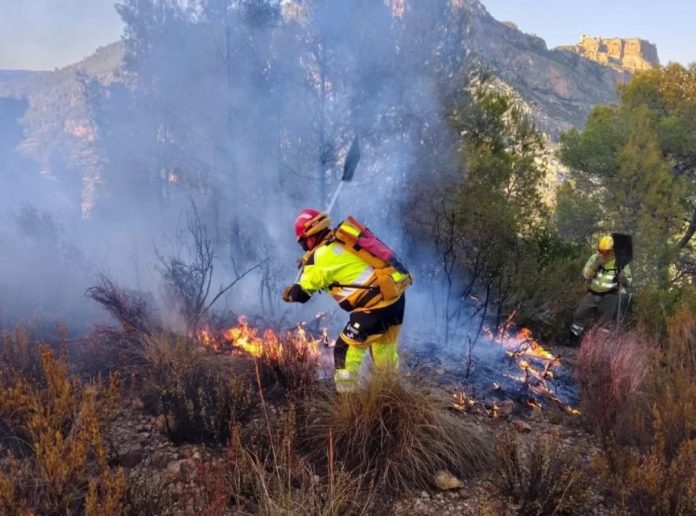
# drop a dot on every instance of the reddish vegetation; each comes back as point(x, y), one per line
point(611, 368)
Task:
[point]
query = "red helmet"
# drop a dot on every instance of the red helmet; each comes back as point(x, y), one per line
point(310, 223)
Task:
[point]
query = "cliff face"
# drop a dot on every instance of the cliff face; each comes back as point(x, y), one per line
point(559, 87)
point(624, 55)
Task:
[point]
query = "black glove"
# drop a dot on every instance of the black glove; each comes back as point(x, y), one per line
point(295, 294)
point(287, 294)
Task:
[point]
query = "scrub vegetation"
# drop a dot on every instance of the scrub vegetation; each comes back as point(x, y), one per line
point(165, 414)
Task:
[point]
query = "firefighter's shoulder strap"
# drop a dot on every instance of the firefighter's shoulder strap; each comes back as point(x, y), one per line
point(392, 277)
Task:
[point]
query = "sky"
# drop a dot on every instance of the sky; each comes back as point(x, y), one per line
point(670, 24)
point(48, 34)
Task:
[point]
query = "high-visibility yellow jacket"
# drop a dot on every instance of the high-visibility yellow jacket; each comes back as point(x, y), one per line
point(351, 281)
point(603, 278)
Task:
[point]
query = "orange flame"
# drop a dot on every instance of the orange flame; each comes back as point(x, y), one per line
point(535, 362)
point(261, 343)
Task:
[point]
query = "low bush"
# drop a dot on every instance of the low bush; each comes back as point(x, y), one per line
point(195, 392)
point(611, 369)
point(656, 480)
point(542, 477)
point(657, 475)
point(395, 434)
point(19, 354)
point(54, 460)
point(289, 362)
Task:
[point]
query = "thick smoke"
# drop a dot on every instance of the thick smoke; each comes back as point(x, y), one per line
point(245, 109)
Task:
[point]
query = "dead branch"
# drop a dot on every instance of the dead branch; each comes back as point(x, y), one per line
point(129, 307)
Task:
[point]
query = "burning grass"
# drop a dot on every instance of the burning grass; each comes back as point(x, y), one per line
point(512, 365)
point(393, 433)
point(287, 361)
point(542, 477)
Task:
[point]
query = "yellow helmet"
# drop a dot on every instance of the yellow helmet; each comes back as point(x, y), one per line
point(606, 244)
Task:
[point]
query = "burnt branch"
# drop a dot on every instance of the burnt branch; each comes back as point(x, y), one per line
point(129, 307)
point(189, 282)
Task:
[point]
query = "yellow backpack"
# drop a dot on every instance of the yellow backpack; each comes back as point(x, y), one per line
point(392, 277)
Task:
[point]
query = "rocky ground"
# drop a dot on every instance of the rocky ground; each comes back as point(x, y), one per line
point(162, 470)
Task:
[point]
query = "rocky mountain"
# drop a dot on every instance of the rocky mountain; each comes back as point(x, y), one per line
point(623, 55)
point(559, 86)
point(56, 123)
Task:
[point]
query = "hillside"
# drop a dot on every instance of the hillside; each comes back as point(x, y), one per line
point(57, 126)
point(558, 87)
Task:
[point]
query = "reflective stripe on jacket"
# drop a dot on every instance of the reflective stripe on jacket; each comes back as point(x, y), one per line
point(603, 278)
point(331, 267)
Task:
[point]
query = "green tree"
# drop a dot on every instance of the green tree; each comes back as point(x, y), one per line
point(632, 169)
point(488, 219)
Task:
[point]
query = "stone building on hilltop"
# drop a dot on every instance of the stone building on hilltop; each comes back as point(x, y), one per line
point(625, 55)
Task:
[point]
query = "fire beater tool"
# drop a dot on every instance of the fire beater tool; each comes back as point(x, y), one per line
point(349, 166)
point(623, 252)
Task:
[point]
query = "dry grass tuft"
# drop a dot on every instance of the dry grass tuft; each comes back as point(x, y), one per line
point(259, 473)
point(274, 479)
point(393, 433)
point(543, 477)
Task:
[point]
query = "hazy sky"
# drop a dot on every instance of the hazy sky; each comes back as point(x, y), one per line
point(670, 24)
point(45, 34)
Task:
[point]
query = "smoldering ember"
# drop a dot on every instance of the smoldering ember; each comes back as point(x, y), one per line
point(289, 257)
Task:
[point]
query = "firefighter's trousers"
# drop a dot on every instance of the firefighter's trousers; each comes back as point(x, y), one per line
point(376, 331)
point(594, 308)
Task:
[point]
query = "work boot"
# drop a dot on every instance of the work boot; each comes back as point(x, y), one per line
point(346, 381)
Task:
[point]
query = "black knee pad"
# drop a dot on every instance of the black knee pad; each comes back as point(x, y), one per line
point(340, 352)
point(355, 330)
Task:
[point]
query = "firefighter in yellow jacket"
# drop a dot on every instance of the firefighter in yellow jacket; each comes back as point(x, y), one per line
point(362, 284)
point(602, 298)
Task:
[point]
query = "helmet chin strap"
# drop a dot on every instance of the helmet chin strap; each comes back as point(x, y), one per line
point(310, 242)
